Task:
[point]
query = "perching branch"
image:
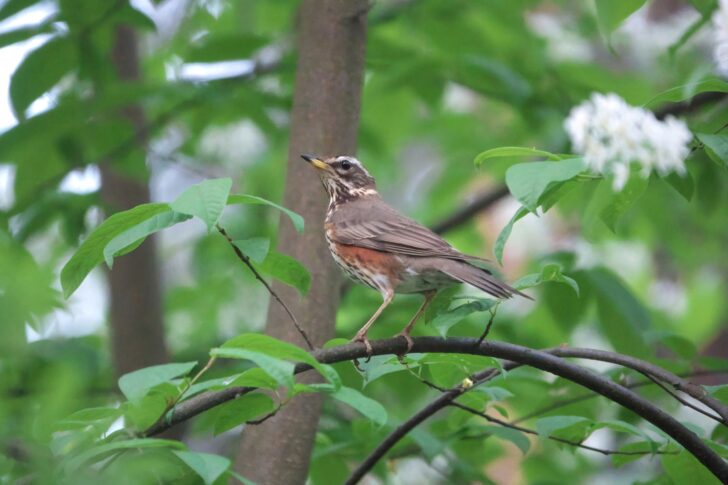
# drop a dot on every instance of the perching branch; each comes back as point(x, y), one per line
point(246, 261)
point(551, 361)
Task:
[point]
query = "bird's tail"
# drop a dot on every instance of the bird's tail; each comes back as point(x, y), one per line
point(480, 278)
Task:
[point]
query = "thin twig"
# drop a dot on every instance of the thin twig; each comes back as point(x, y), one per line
point(583, 397)
point(493, 311)
point(266, 417)
point(246, 260)
point(683, 401)
point(426, 382)
point(192, 381)
point(186, 387)
point(506, 424)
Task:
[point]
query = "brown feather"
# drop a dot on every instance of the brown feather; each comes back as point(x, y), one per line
point(371, 223)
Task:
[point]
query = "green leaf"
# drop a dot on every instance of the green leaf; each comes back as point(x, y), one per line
point(646, 447)
point(611, 13)
point(501, 152)
point(11, 7)
point(687, 91)
point(366, 406)
point(286, 269)
point(493, 393)
point(223, 47)
point(573, 428)
point(550, 272)
point(136, 384)
point(719, 392)
point(528, 182)
point(129, 15)
point(681, 346)
point(131, 238)
point(91, 252)
point(444, 321)
point(281, 350)
point(278, 369)
point(716, 146)
point(241, 410)
point(684, 184)
point(382, 365)
point(296, 219)
point(142, 413)
point(24, 33)
point(255, 377)
point(500, 243)
point(98, 452)
point(514, 436)
point(685, 468)
point(621, 316)
point(205, 200)
point(85, 417)
point(704, 6)
point(622, 427)
point(209, 467)
point(40, 71)
point(255, 248)
point(621, 201)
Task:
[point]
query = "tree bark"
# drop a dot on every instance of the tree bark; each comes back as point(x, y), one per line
point(137, 330)
point(324, 121)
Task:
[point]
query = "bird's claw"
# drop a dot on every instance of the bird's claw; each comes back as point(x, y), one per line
point(370, 351)
point(410, 345)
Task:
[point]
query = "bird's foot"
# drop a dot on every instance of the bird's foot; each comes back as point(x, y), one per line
point(410, 345)
point(370, 351)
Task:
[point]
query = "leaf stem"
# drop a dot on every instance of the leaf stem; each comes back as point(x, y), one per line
point(246, 261)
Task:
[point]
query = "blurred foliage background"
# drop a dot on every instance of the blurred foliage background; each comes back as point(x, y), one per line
point(121, 103)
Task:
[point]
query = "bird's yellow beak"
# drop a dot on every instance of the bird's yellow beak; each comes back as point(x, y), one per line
point(315, 161)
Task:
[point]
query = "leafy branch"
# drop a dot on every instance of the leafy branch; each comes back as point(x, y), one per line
point(506, 424)
point(551, 360)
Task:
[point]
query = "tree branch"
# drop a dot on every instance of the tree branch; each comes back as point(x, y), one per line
point(551, 361)
point(691, 105)
point(462, 215)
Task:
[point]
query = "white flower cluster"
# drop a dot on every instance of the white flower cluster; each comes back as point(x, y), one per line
point(720, 27)
point(612, 135)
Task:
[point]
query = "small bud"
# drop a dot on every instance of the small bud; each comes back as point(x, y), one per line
point(467, 383)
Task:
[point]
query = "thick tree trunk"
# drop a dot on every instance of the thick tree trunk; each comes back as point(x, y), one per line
point(325, 118)
point(137, 330)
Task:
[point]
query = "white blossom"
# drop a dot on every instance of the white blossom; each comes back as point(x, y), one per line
point(720, 28)
point(612, 135)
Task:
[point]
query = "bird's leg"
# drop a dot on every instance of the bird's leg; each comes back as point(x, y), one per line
point(361, 335)
point(406, 331)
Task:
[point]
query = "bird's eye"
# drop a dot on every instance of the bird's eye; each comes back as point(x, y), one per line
point(346, 165)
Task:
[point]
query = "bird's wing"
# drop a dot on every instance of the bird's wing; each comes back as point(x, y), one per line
point(378, 226)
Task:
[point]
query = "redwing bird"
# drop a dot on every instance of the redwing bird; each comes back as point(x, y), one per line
point(387, 251)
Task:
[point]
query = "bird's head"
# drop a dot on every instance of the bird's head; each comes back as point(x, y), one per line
point(344, 177)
